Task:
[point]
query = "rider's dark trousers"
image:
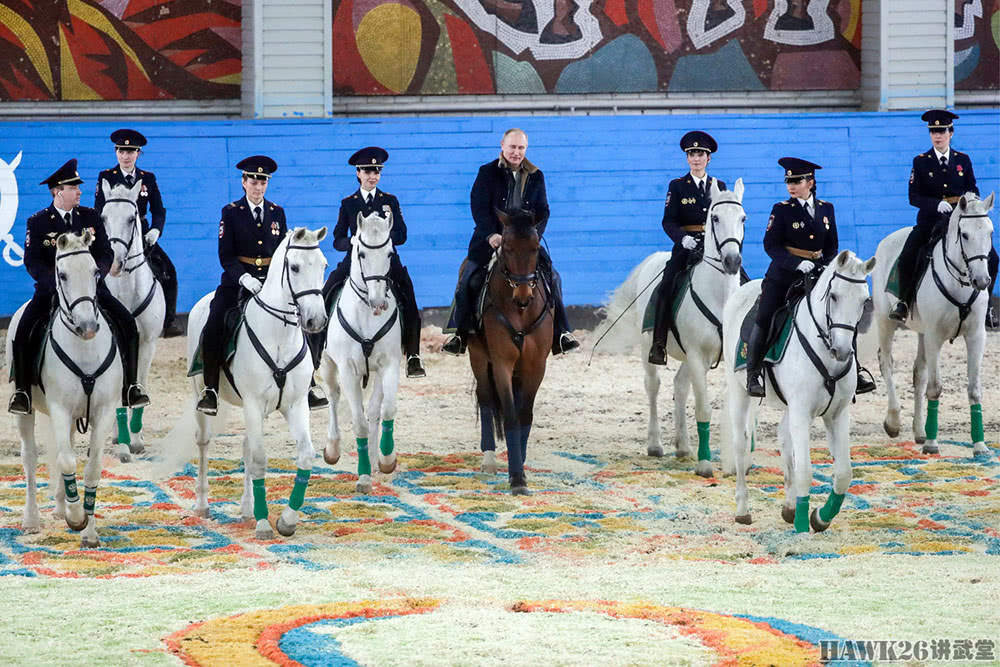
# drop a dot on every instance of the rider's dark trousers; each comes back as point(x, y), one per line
point(37, 310)
point(919, 236)
point(772, 297)
point(679, 258)
point(464, 291)
point(212, 336)
point(164, 271)
point(402, 289)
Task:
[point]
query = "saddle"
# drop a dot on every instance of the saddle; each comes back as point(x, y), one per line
point(892, 285)
point(678, 287)
point(231, 330)
point(478, 283)
point(779, 331)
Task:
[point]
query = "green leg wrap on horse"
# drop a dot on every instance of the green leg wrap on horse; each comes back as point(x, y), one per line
point(69, 483)
point(299, 490)
point(364, 462)
point(259, 500)
point(89, 499)
point(704, 453)
point(802, 514)
point(136, 424)
point(978, 434)
point(386, 444)
point(121, 415)
point(931, 426)
point(832, 507)
point(753, 441)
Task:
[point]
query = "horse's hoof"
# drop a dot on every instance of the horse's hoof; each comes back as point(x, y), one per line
point(817, 523)
point(31, 529)
point(980, 449)
point(284, 529)
point(363, 488)
point(387, 465)
point(489, 465)
point(89, 544)
point(920, 439)
point(930, 449)
point(519, 491)
point(788, 514)
point(124, 455)
point(891, 431)
point(247, 518)
point(331, 454)
point(656, 450)
point(77, 527)
point(201, 512)
point(264, 530)
point(703, 469)
point(683, 453)
point(59, 515)
point(744, 519)
point(136, 447)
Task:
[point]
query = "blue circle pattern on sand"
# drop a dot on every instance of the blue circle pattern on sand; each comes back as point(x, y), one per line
point(312, 646)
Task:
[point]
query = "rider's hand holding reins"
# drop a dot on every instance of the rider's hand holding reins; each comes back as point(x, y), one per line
point(944, 207)
point(152, 236)
point(495, 240)
point(805, 266)
point(689, 242)
point(250, 283)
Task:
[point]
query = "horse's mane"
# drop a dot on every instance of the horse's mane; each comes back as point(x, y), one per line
point(374, 229)
point(522, 223)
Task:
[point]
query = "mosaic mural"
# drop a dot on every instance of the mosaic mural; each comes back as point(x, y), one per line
point(389, 47)
point(977, 44)
point(119, 49)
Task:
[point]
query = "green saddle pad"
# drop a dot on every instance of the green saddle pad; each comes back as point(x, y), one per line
point(776, 352)
point(649, 317)
point(37, 337)
point(892, 284)
point(234, 322)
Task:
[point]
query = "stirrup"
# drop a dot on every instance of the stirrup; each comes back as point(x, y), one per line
point(20, 407)
point(140, 399)
point(415, 367)
point(566, 343)
point(865, 384)
point(209, 402)
point(900, 311)
point(454, 346)
point(657, 354)
point(755, 384)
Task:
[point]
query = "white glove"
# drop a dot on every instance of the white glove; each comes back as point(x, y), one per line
point(250, 283)
point(944, 207)
point(805, 266)
point(152, 236)
point(689, 243)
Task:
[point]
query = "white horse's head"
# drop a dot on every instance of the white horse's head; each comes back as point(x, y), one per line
point(301, 275)
point(843, 291)
point(121, 220)
point(76, 282)
point(725, 225)
point(372, 257)
point(970, 235)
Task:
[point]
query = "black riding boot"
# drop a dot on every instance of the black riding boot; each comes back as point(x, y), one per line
point(209, 401)
point(460, 320)
point(562, 339)
point(20, 402)
point(170, 326)
point(658, 351)
point(866, 383)
point(755, 355)
point(133, 395)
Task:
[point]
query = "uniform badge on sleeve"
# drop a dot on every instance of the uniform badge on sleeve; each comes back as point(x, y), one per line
point(770, 221)
point(912, 175)
point(222, 228)
point(667, 203)
point(27, 238)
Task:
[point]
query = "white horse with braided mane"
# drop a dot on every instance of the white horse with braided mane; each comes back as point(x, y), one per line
point(713, 279)
point(815, 378)
point(82, 379)
point(950, 302)
point(362, 346)
point(270, 370)
point(131, 281)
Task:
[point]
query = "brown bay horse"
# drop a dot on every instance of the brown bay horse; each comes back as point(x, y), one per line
point(509, 351)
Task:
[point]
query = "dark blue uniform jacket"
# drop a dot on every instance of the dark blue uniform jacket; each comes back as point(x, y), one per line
point(930, 182)
point(790, 226)
point(45, 226)
point(240, 236)
point(347, 221)
point(490, 192)
point(149, 197)
point(686, 206)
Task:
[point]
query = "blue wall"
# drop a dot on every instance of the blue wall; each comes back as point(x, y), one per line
point(607, 179)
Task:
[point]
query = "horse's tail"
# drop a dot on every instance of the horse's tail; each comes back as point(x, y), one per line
point(621, 336)
point(180, 445)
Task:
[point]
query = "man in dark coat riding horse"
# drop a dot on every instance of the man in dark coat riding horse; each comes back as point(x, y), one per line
point(367, 199)
point(43, 228)
point(128, 146)
point(505, 184)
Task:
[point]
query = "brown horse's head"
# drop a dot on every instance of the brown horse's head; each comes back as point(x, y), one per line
point(519, 254)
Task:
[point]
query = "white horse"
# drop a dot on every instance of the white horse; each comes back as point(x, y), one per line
point(82, 379)
point(362, 345)
point(271, 370)
point(815, 378)
point(713, 280)
point(131, 281)
point(950, 301)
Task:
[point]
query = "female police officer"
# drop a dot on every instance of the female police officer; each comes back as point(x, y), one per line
point(801, 235)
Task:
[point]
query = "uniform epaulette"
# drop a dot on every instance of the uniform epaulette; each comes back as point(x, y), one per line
point(785, 202)
point(386, 193)
point(232, 204)
point(958, 152)
point(820, 201)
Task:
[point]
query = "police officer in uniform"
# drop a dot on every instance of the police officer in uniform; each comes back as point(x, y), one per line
point(43, 228)
point(367, 199)
point(684, 215)
point(938, 180)
point(128, 147)
point(801, 235)
point(250, 230)
point(506, 184)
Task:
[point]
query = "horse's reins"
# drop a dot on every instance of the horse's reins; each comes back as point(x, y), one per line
point(829, 381)
point(367, 344)
point(128, 246)
point(963, 308)
point(280, 374)
point(88, 380)
point(514, 280)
